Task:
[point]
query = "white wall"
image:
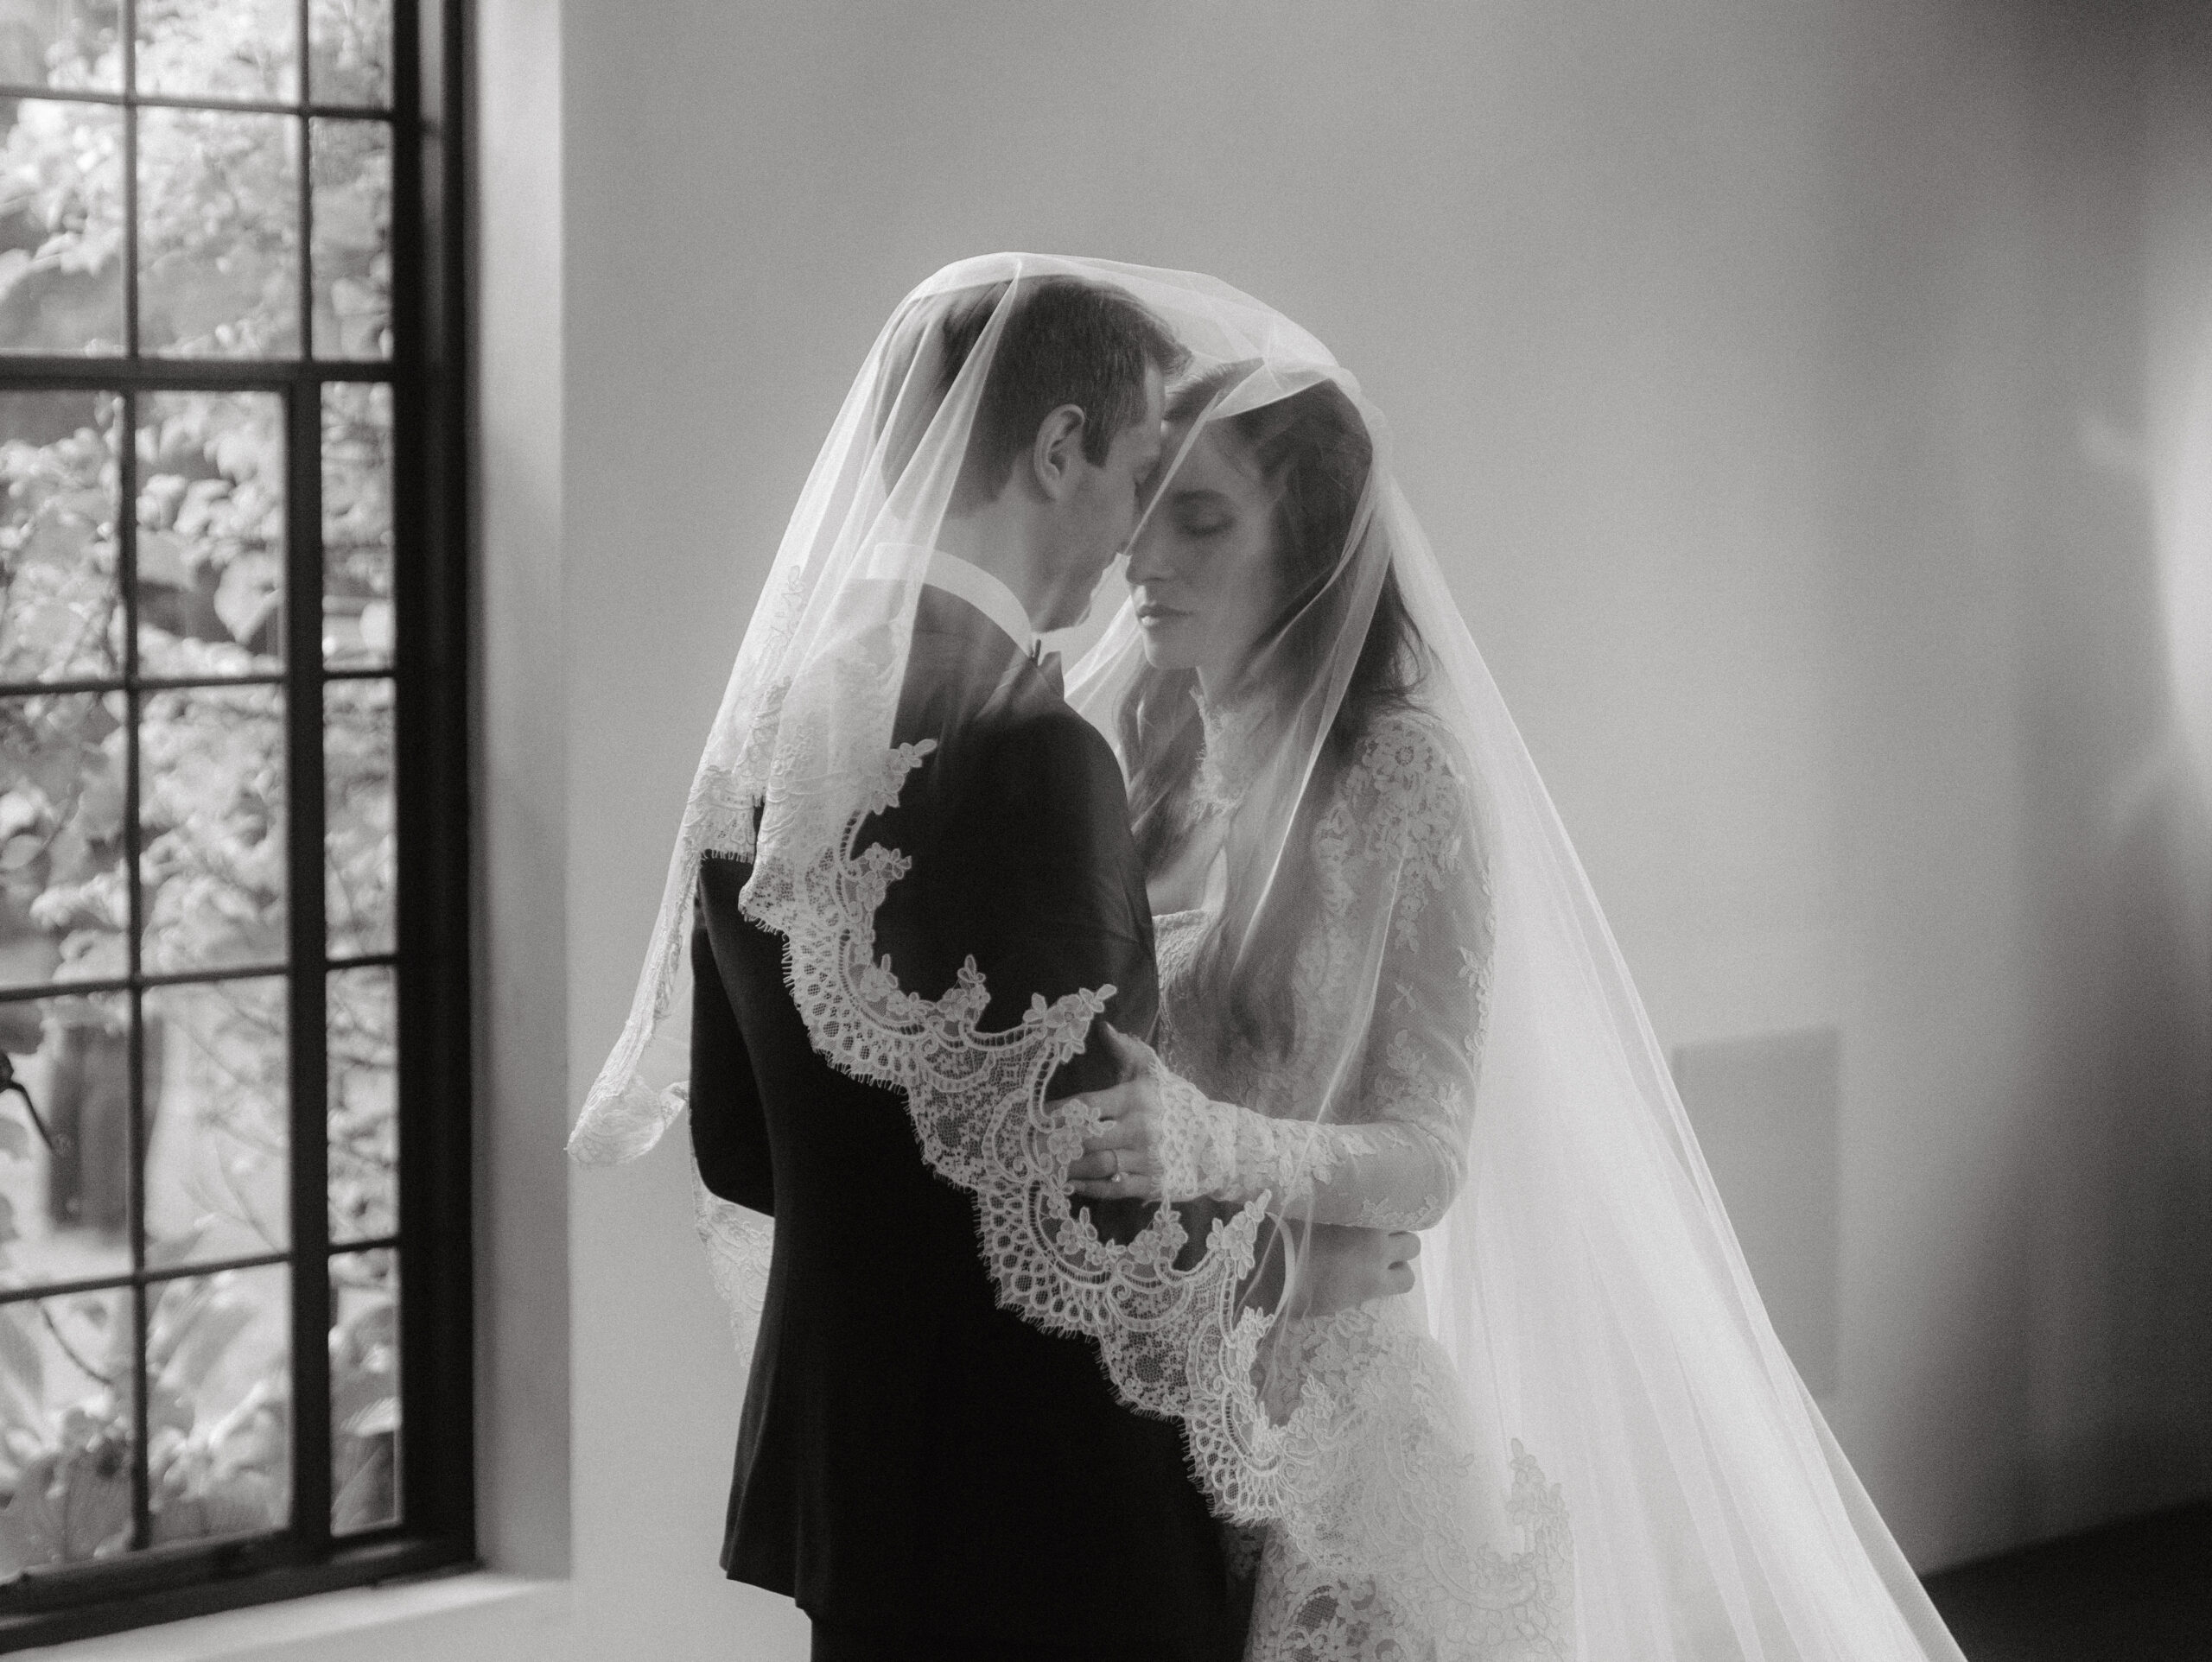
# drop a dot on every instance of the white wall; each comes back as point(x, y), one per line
point(521, 816)
point(1813, 405)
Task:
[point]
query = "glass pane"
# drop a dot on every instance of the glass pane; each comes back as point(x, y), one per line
point(65, 1423)
point(59, 600)
point(218, 1373)
point(211, 815)
point(350, 166)
point(211, 533)
point(364, 1054)
point(364, 1390)
point(60, 227)
point(217, 1183)
point(64, 1203)
point(359, 866)
point(64, 898)
point(357, 525)
point(61, 43)
point(349, 51)
point(219, 234)
point(220, 49)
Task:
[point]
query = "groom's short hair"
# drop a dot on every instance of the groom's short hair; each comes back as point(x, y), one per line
point(1066, 342)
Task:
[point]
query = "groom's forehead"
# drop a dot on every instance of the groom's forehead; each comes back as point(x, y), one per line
point(1155, 402)
point(1146, 428)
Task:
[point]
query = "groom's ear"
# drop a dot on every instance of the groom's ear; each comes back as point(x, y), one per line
point(1056, 451)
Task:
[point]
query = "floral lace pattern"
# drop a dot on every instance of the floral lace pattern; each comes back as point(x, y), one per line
point(1411, 1566)
point(740, 1242)
point(1174, 1340)
point(1395, 848)
point(1402, 1552)
point(1226, 768)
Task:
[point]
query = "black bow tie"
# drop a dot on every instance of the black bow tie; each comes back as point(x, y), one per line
point(1048, 665)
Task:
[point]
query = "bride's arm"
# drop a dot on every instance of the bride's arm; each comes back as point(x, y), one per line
point(1396, 1155)
point(1399, 1165)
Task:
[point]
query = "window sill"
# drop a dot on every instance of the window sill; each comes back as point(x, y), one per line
point(447, 1614)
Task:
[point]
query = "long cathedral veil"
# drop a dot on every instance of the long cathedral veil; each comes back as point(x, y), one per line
point(1583, 1279)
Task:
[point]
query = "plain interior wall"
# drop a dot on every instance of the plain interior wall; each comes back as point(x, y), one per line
point(521, 811)
point(1812, 405)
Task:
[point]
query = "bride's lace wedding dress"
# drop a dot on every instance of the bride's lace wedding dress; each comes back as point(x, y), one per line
point(1430, 1538)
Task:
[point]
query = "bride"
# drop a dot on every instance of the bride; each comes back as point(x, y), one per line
point(1360, 968)
point(1389, 1001)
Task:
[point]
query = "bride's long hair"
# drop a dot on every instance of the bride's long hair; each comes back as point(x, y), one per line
point(1316, 456)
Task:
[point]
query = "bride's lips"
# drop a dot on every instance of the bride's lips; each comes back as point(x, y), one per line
point(1152, 611)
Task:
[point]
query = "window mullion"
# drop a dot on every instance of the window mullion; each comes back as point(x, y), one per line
point(431, 791)
point(126, 544)
point(310, 1145)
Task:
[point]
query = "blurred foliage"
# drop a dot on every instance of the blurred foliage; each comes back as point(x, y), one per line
point(351, 176)
point(219, 197)
point(244, 49)
point(212, 880)
point(62, 615)
point(218, 1458)
point(218, 1416)
point(356, 622)
point(364, 1392)
point(220, 241)
point(211, 758)
point(349, 52)
point(364, 1057)
point(358, 839)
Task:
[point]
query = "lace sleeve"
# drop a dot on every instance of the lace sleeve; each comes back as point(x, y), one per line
point(1403, 834)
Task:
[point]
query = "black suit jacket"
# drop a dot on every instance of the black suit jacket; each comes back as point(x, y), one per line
point(912, 1456)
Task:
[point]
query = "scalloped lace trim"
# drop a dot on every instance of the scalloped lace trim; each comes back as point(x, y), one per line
point(740, 1243)
point(1172, 1340)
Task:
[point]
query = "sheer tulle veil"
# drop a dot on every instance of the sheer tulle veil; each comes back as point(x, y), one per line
point(1584, 1280)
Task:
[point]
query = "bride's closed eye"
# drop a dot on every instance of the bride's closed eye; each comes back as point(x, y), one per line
point(1205, 516)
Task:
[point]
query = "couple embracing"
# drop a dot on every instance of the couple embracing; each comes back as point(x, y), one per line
point(1074, 1073)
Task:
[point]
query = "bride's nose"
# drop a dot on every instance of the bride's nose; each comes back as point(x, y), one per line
point(1145, 564)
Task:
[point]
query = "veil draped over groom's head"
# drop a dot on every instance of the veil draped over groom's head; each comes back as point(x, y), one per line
point(1585, 1279)
point(915, 446)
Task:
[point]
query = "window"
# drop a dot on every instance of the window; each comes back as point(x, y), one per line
point(234, 990)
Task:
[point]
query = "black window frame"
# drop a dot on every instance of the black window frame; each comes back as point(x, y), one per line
point(430, 676)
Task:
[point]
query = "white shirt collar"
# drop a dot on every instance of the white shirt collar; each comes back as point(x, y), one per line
point(961, 578)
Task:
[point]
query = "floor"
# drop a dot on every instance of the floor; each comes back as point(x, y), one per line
point(2139, 1591)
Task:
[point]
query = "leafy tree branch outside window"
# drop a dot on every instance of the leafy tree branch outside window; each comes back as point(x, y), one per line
point(182, 183)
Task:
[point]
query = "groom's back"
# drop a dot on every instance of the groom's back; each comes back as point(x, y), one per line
point(912, 1458)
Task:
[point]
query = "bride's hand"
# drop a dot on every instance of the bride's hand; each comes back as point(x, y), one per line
point(1341, 1266)
point(1124, 1157)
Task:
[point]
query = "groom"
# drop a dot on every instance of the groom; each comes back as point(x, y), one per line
point(924, 1471)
